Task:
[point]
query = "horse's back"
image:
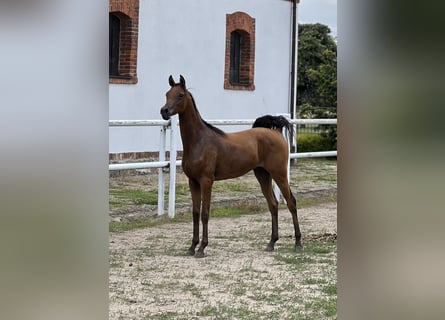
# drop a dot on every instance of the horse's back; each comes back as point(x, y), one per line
point(267, 143)
point(262, 137)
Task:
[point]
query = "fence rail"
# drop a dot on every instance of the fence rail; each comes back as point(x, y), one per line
point(173, 124)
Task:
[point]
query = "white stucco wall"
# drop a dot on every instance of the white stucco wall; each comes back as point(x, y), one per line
point(188, 37)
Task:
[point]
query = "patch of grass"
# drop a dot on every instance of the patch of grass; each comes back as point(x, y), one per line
point(123, 196)
point(216, 277)
point(234, 212)
point(115, 259)
point(317, 247)
point(318, 161)
point(239, 290)
point(322, 307)
point(330, 289)
point(327, 177)
point(169, 315)
point(122, 226)
point(193, 289)
point(312, 253)
point(181, 189)
point(294, 259)
point(208, 311)
point(114, 203)
point(311, 281)
point(268, 297)
point(232, 185)
point(313, 201)
point(226, 312)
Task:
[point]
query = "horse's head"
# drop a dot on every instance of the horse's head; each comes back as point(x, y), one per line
point(176, 98)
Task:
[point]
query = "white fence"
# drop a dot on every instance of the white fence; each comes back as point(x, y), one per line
point(172, 124)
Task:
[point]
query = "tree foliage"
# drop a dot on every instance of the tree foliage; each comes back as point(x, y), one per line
point(317, 77)
point(317, 67)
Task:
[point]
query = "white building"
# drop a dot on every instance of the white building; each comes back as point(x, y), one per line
point(235, 55)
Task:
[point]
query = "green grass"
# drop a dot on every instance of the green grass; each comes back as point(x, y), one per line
point(314, 252)
point(234, 212)
point(322, 307)
point(330, 289)
point(311, 281)
point(123, 196)
point(121, 226)
point(115, 259)
point(225, 312)
point(313, 201)
point(193, 289)
point(233, 185)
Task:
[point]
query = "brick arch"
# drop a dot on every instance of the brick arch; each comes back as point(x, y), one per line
point(243, 24)
point(241, 21)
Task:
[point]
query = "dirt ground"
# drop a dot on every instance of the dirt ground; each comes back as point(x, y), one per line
point(151, 277)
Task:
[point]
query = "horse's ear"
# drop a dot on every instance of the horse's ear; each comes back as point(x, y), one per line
point(182, 81)
point(171, 81)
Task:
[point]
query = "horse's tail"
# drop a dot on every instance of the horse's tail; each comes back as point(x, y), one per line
point(274, 123)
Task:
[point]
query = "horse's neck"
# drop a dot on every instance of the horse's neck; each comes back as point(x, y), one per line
point(191, 126)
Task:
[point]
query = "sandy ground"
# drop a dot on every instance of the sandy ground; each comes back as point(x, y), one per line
point(152, 278)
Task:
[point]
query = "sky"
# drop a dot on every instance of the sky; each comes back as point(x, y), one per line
point(322, 11)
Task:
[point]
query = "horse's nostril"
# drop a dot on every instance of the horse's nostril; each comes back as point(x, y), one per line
point(164, 114)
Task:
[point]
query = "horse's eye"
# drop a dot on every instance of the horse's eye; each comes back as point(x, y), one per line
point(180, 95)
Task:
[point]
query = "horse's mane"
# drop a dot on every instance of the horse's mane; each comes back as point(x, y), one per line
point(218, 131)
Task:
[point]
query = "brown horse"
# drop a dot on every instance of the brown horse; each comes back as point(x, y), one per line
point(210, 154)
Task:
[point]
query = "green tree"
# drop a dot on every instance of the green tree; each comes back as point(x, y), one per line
point(317, 77)
point(317, 67)
point(324, 78)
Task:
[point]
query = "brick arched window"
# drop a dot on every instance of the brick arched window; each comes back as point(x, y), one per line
point(239, 73)
point(114, 44)
point(240, 52)
point(124, 31)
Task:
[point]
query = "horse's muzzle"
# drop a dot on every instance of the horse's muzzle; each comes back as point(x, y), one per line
point(165, 113)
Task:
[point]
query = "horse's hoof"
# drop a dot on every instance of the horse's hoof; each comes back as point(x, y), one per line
point(190, 252)
point(298, 247)
point(199, 254)
point(270, 247)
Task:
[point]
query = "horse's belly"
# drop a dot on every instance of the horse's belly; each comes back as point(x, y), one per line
point(228, 170)
point(230, 175)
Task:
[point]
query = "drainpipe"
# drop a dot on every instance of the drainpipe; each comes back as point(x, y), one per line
point(294, 57)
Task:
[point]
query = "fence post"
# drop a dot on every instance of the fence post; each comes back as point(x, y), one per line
point(172, 186)
point(161, 182)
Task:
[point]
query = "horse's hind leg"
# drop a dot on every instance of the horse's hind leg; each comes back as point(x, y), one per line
point(265, 181)
point(195, 190)
point(291, 202)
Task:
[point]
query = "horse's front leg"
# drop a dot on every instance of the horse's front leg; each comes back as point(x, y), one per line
point(195, 190)
point(206, 192)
